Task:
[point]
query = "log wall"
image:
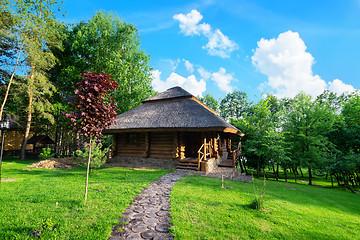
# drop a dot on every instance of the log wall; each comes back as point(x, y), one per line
point(162, 145)
point(126, 149)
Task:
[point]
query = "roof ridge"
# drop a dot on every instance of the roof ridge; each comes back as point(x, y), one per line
point(174, 92)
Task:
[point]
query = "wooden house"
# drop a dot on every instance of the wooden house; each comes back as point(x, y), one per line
point(13, 140)
point(172, 125)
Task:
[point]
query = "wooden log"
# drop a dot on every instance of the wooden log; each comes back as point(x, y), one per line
point(146, 152)
point(175, 142)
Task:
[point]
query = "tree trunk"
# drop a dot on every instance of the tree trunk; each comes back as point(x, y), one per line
point(245, 168)
point(87, 172)
point(56, 141)
point(301, 172)
point(332, 181)
point(277, 171)
point(29, 115)
point(310, 176)
point(285, 173)
point(337, 179)
point(276, 176)
point(294, 170)
point(10, 81)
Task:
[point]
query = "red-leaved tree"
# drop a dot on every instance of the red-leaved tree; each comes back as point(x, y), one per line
point(94, 109)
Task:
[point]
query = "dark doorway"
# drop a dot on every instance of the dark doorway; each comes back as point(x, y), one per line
point(193, 142)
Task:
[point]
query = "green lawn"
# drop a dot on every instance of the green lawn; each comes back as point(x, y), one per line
point(30, 202)
point(201, 209)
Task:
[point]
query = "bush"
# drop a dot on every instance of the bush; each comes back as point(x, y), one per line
point(46, 153)
point(98, 156)
point(258, 202)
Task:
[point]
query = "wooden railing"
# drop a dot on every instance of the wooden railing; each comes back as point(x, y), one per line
point(206, 150)
point(236, 154)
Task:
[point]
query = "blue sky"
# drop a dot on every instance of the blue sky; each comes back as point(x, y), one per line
point(210, 46)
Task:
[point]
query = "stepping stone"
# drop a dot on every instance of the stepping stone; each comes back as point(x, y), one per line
point(138, 209)
point(148, 234)
point(165, 208)
point(162, 213)
point(139, 216)
point(151, 210)
point(151, 215)
point(128, 214)
point(164, 228)
point(151, 221)
point(133, 236)
point(135, 221)
point(139, 228)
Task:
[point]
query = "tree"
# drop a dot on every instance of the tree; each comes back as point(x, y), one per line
point(36, 30)
point(234, 105)
point(306, 124)
point(105, 43)
point(264, 143)
point(351, 114)
point(94, 109)
point(210, 101)
point(9, 48)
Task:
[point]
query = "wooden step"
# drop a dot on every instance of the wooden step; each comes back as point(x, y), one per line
point(189, 168)
point(188, 164)
point(188, 160)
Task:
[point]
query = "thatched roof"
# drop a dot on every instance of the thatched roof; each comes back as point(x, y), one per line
point(174, 109)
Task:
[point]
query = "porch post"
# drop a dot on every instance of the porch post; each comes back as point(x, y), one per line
point(205, 149)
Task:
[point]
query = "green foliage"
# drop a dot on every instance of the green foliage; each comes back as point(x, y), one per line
point(98, 156)
point(44, 199)
point(105, 44)
point(263, 143)
point(306, 124)
point(234, 105)
point(46, 153)
point(210, 101)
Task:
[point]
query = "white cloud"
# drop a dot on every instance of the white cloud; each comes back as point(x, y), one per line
point(189, 66)
point(339, 87)
point(218, 44)
point(289, 67)
point(190, 83)
point(189, 22)
point(222, 80)
point(204, 73)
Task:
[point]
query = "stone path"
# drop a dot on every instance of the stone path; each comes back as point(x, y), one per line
point(148, 217)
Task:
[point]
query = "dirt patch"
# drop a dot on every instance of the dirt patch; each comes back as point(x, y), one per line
point(54, 163)
point(8, 180)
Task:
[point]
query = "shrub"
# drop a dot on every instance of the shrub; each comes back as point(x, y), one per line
point(46, 153)
point(258, 202)
point(98, 156)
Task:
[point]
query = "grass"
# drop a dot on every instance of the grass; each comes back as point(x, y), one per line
point(201, 209)
point(53, 199)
